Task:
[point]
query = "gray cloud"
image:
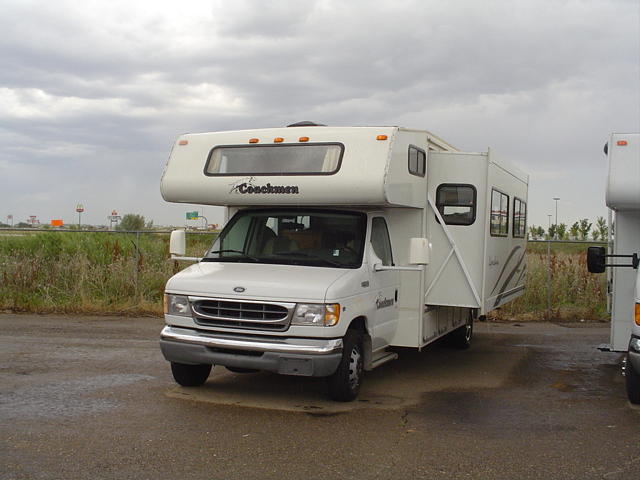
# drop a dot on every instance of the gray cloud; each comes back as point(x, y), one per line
point(93, 94)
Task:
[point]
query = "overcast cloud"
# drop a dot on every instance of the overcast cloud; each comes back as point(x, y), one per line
point(92, 94)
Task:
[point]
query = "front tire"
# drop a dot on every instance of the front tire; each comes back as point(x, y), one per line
point(190, 375)
point(632, 381)
point(344, 384)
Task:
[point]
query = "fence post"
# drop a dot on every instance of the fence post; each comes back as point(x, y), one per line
point(137, 261)
point(549, 279)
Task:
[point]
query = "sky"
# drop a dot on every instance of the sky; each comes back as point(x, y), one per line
point(94, 93)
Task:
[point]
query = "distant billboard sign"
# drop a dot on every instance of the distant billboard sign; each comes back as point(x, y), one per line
point(57, 223)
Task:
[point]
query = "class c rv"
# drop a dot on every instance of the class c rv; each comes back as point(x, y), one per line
point(623, 200)
point(340, 243)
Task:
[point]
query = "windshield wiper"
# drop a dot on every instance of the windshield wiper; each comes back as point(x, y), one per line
point(234, 251)
point(310, 255)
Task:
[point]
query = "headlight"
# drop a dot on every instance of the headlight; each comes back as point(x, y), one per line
point(176, 305)
point(634, 344)
point(320, 314)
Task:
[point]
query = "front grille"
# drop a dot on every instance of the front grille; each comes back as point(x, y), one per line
point(234, 314)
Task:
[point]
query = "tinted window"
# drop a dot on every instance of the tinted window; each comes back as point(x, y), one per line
point(417, 161)
point(457, 203)
point(499, 214)
point(275, 159)
point(380, 240)
point(519, 218)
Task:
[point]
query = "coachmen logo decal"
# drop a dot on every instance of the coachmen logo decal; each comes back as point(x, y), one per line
point(384, 302)
point(247, 186)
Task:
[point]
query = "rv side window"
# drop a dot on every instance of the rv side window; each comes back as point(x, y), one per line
point(519, 218)
point(380, 240)
point(499, 214)
point(417, 161)
point(285, 159)
point(456, 203)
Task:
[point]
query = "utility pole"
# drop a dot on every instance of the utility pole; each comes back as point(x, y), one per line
point(555, 199)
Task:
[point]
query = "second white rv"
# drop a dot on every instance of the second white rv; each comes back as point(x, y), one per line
point(623, 200)
point(341, 242)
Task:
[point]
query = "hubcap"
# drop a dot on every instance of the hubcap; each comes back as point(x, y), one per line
point(355, 367)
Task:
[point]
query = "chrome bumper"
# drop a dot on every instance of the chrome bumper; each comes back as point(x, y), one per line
point(299, 346)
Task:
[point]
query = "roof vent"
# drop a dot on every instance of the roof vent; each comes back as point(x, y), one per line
point(307, 123)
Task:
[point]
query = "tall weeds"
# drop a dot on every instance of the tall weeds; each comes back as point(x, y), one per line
point(87, 273)
point(124, 274)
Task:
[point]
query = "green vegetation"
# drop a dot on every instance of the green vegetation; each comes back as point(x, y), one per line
point(88, 272)
point(576, 294)
point(118, 273)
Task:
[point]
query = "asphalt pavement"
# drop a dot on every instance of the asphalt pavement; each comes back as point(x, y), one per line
point(92, 398)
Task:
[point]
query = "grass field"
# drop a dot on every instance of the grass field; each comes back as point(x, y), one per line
point(107, 273)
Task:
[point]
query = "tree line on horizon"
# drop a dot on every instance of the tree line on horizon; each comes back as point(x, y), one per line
point(582, 229)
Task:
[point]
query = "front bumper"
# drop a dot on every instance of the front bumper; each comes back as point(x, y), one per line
point(312, 357)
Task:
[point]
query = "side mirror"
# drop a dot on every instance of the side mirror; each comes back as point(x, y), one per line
point(596, 259)
point(419, 251)
point(178, 243)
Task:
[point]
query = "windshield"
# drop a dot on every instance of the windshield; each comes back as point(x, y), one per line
point(292, 237)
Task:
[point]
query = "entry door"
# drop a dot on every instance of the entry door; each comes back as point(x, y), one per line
point(385, 285)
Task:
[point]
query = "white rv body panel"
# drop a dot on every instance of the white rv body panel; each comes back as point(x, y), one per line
point(623, 197)
point(367, 175)
point(626, 241)
point(495, 265)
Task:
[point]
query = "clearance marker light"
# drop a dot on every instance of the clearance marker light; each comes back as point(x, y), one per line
point(183, 142)
point(278, 140)
point(622, 143)
point(381, 137)
point(303, 139)
point(253, 140)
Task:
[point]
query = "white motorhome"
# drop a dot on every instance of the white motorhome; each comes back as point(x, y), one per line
point(623, 200)
point(341, 242)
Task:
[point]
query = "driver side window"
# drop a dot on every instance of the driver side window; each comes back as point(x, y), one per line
point(380, 240)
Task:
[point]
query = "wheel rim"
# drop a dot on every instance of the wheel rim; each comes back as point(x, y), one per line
point(355, 367)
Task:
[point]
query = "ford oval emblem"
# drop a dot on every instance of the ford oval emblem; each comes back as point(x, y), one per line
point(239, 289)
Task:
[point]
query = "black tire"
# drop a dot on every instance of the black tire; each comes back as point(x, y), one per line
point(461, 337)
point(241, 370)
point(632, 381)
point(190, 375)
point(344, 384)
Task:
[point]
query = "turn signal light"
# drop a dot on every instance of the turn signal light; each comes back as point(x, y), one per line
point(621, 143)
point(303, 139)
point(183, 142)
point(637, 313)
point(253, 140)
point(278, 140)
point(381, 137)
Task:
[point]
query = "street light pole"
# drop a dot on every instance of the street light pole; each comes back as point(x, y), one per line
point(555, 199)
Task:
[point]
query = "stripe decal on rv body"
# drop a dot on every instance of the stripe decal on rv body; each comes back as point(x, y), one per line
point(513, 252)
point(501, 293)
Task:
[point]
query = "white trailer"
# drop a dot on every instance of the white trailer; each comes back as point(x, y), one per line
point(341, 242)
point(623, 200)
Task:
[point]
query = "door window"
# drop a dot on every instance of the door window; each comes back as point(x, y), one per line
point(380, 240)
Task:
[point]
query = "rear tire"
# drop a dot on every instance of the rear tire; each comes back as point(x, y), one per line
point(344, 384)
point(461, 337)
point(190, 375)
point(632, 381)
